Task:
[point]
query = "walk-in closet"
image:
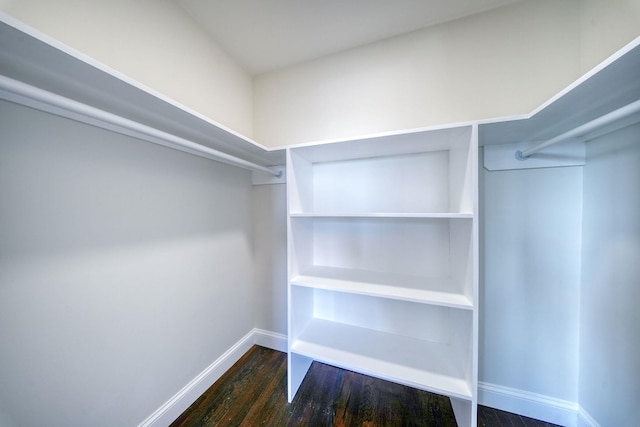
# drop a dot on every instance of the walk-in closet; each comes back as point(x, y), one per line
point(454, 209)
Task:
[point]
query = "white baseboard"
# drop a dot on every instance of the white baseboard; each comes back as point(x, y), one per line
point(175, 406)
point(272, 340)
point(521, 402)
point(533, 405)
point(585, 420)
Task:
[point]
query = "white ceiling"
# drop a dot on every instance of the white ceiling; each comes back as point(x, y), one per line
point(264, 35)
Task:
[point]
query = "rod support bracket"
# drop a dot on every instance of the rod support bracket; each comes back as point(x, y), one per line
point(520, 157)
point(277, 176)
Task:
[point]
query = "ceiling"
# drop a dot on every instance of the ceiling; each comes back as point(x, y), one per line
point(265, 35)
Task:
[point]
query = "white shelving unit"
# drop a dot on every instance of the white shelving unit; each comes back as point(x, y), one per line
point(383, 261)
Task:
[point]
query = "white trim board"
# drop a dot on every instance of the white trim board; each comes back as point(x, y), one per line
point(176, 405)
point(528, 404)
point(106, 69)
point(272, 340)
point(585, 420)
point(521, 402)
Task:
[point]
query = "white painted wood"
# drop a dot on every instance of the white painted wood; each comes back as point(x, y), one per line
point(269, 339)
point(303, 313)
point(474, 247)
point(544, 407)
point(31, 96)
point(451, 215)
point(178, 403)
point(383, 184)
point(462, 339)
point(380, 176)
point(417, 363)
point(388, 144)
point(297, 366)
point(609, 86)
point(533, 405)
point(585, 419)
point(581, 131)
point(387, 285)
point(428, 254)
point(41, 61)
point(175, 406)
point(462, 411)
point(425, 322)
point(411, 246)
point(383, 260)
point(461, 182)
point(300, 173)
point(462, 261)
point(503, 157)
point(300, 237)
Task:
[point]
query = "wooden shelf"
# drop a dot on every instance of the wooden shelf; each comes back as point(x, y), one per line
point(426, 215)
point(417, 363)
point(385, 285)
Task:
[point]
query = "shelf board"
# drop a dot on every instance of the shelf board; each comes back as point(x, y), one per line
point(384, 285)
point(411, 141)
point(436, 215)
point(417, 363)
point(43, 62)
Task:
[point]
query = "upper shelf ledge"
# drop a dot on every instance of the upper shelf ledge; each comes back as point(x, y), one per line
point(35, 59)
point(611, 85)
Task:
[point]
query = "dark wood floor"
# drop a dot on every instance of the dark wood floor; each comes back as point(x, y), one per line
point(253, 393)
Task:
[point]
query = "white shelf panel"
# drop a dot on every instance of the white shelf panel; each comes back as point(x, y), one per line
point(435, 215)
point(395, 144)
point(385, 285)
point(417, 363)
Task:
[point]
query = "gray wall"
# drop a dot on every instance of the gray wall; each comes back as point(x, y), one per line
point(125, 270)
point(530, 279)
point(269, 204)
point(610, 318)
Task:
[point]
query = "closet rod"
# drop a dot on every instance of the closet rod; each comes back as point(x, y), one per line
point(611, 117)
point(40, 99)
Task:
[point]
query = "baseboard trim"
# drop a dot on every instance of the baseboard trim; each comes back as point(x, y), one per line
point(272, 340)
point(545, 408)
point(533, 405)
point(585, 420)
point(175, 406)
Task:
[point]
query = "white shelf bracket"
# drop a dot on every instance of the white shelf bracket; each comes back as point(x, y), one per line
point(278, 176)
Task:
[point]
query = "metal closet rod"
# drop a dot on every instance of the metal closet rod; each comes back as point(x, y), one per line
point(611, 117)
point(31, 96)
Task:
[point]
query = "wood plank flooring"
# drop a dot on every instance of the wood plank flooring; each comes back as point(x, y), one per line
point(254, 393)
